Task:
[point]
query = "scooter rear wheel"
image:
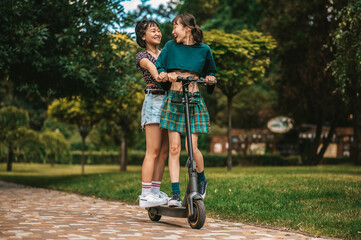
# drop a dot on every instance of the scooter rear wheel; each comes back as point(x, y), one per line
point(197, 221)
point(154, 217)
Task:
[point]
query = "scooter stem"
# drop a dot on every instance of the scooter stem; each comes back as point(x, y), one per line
point(192, 168)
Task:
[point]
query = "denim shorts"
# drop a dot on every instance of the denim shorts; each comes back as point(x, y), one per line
point(152, 108)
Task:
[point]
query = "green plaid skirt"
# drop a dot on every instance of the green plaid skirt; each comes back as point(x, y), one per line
point(173, 118)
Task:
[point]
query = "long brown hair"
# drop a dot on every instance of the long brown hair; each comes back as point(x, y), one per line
point(188, 20)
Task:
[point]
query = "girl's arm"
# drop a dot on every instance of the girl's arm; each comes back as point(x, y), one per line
point(161, 82)
point(147, 64)
point(209, 72)
point(161, 66)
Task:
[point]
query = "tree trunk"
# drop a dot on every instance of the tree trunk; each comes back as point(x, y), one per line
point(229, 158)
point(82, 154)
point(52, 159)
point(356, 144)
point(310, 158)
point(10, 159)
point(123, 154)
point(325, 144)
point(328, 139)
point(245, 148)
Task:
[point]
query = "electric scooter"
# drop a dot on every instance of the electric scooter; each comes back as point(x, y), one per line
point(193, 207)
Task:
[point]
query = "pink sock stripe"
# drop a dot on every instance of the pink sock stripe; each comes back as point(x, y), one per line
point(155, 184)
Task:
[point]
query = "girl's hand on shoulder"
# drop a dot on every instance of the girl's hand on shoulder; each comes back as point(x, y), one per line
point(162, 77)
point(172, 77)
point(211, 79)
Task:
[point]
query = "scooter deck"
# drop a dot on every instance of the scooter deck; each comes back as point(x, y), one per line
point(164, 210)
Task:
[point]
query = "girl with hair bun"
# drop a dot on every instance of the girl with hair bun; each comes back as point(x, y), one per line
point(185, 56)
point(148, 37)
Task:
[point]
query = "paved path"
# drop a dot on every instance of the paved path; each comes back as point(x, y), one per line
point(36, 213)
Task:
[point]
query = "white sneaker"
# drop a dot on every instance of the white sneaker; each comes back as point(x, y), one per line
point(175, 201)
point(164, 195)
point(151, 200)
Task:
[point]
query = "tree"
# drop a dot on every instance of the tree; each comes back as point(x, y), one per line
point(241, 59)
point(56, 146)
point(201, 9)
point(347, 67)
point(56, 126)
point(306, 91)
point(59, 48)
point(28, 144)
point(120, 112)
point(78, 112)
point(11, 119)
point(120, 116)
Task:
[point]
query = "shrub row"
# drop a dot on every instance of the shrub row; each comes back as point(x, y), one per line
point(211, 160)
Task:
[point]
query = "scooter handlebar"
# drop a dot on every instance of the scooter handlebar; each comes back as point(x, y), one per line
point(192, 79)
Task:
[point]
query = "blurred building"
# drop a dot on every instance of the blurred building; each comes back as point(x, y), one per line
point(260, 141)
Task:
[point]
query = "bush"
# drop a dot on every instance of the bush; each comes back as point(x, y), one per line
point(95, 157)
point(336, 160)
point(210, 160)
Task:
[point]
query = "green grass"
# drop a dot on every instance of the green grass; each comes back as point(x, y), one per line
point(324, 200)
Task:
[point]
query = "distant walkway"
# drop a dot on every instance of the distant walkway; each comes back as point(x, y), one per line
point(36, 213)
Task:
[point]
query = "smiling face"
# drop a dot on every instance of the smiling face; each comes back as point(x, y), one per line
point(153, 35)
point(180, 32)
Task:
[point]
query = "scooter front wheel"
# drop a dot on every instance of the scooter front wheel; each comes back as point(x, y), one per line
point(153, 216)
point(197, 221)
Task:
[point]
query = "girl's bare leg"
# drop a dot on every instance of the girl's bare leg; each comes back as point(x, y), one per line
point(153, 136)
point(198, 156)
point(174, 154)
point(162, 157)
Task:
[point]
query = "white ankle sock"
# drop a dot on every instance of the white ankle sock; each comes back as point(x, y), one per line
point(146, 188)
point(156, 187)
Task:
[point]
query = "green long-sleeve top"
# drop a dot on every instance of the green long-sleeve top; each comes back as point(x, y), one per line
point(196, 58)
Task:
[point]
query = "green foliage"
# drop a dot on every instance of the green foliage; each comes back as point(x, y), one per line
point(227, 15)
point(201, 9)
point(302, 30)
point(59, 48)
point(119, 113)
point(346, 67)
point(55, 146)
point(96, 157)
point(234, 15)
point(241, 58)
point(125, 49)
point(74, 111)
point(251, 108)
point(11, 119)
point(347, 40)
point(29, 145)
point(220, 160)
point(51, 124)
point(306, 91)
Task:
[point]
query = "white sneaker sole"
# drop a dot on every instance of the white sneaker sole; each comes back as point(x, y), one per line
point(174, 204)
point(144, 204)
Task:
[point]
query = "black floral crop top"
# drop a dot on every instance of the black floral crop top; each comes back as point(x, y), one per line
point(148, 78)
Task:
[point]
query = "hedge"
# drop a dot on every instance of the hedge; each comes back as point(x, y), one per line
point(210, 160)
